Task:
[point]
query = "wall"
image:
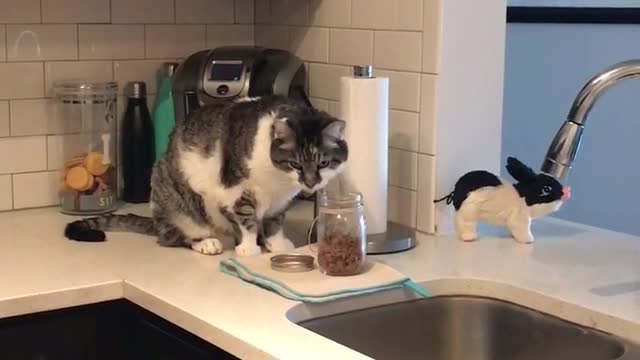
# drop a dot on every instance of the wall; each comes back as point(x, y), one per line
point(546, 65)
point(399, 38)
point(123, 40)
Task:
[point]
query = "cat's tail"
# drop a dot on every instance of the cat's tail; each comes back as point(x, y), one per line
point(92, 229)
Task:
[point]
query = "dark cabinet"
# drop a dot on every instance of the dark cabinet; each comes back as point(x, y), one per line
point(111, 330)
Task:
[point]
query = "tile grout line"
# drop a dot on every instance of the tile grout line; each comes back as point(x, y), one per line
point(13, 196)
point(9, 113)
point(78, 41)
point(6, 43)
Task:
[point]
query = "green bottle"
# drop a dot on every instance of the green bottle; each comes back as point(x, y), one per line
point(163, 115)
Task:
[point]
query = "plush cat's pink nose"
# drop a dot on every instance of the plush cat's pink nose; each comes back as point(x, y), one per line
point(566, 193)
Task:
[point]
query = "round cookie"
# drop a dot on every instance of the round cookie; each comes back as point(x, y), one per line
point(78, 178)
point(93, 164)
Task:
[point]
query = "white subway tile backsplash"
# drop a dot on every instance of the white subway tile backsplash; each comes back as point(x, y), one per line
point(21, 80)
point(30, 117)
point(263, 11)
point(426, 193)
point(35, 189)
point(142, 11)
point(387, 15)
point(42, 42)
point(4, 119)
point(334, 108)
point(298, 12)
point(133, 38)
point(272, 36)
point(75, 11)
point(224, 35)
point(320, 104)
point(398, 50)
point(431, 34)
point(272, 11)
point(174, 41)
point(404, 89)
point(3, 48)
point(27, 154)
point(205, 11)
point(324, 80)
point(309, 43)
point(244, 12)
point(428, 114)
point(402, 206)
point(403, 169)
point(404, 130)
point(6, 193)
point(59, 145)
point(332, 13)
point(20, 11)
point(351, 47)
point(76, 70)
point(102, 42)
point(138, 70)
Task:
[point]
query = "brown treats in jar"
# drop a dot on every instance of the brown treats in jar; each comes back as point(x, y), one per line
point(340, 254)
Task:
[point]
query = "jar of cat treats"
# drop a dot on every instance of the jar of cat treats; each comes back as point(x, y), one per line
point(87, 113)
point(342, 234)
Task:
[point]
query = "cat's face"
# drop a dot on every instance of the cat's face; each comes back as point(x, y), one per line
point(310, 147)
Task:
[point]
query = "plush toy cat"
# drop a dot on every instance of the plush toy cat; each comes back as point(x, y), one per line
point(483, 196)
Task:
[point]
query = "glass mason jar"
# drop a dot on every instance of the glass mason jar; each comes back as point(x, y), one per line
point(342, 234)
point(86, 115)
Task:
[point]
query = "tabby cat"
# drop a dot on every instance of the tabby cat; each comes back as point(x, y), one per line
point(230, 172)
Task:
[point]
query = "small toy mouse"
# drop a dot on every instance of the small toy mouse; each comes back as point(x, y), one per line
point(483, 196)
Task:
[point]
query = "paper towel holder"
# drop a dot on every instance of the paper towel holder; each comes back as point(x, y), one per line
point(398, 237)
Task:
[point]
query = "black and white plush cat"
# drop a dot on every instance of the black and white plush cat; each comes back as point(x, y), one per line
point(483, 196)
point(231, 171)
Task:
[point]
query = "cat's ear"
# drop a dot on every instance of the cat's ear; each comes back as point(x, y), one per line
point(282, 131)
point(334, 130)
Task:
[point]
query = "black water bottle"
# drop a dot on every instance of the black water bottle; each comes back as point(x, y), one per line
point(137, 155)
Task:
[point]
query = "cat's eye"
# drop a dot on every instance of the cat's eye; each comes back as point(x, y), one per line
point(546, 190)
point(324, 163)
point(295, 165)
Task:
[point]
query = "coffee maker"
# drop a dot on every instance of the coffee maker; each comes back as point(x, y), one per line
point(227, 72)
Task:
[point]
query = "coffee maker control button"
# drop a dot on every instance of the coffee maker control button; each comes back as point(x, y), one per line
point(222, 90)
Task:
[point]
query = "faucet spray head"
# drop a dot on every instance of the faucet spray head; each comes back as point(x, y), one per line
point(563, 150)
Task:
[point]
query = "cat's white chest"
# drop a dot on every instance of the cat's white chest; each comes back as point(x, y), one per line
point(273, 187)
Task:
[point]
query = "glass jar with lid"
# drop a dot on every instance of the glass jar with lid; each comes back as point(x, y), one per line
point(342, 234)
point(85, 113)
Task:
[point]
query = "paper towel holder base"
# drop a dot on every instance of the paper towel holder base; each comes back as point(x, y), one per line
point(397, 238)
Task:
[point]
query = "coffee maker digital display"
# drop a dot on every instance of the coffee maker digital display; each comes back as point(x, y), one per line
point(226, 71)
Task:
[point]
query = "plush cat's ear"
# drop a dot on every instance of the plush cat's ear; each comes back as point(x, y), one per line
point(334, 129)
point(520, 171)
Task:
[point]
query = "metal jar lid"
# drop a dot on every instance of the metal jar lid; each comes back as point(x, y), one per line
point(292, 262)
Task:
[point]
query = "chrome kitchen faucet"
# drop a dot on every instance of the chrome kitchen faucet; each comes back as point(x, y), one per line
point(566, 143)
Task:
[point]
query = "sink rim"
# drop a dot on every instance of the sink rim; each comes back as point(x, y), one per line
point(630, 349)
point(519, 295)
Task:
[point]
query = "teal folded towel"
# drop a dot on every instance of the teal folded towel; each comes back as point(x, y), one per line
point(313, 286)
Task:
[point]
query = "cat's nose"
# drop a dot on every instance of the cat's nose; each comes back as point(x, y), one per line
point(566, 193)
point(310, 181)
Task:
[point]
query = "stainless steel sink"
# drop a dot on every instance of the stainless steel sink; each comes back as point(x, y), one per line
point(467, 328)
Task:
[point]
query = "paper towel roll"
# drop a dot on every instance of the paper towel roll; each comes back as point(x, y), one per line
point(364, 105)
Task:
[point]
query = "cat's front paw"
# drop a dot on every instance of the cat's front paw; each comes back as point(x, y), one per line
point(279, 243)
point(245, 249)
point(208, 246)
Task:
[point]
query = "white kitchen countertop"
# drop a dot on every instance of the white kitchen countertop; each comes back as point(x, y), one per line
point(583, 274)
